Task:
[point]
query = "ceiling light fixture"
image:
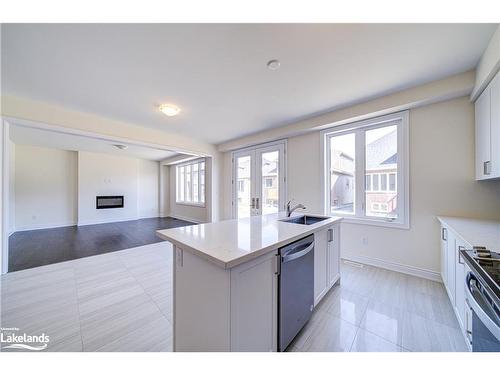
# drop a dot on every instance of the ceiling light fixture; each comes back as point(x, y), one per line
point(169, 109)
point(121, 147)
point(273, 64)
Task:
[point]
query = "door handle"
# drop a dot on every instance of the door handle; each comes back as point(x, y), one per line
point(252, 205)
point(257, 203)
point(444, 234)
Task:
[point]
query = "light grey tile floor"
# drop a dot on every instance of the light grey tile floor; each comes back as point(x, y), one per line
point(122, 301)
point(373, 309)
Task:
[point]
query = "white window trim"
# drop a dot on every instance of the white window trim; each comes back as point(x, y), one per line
point(403, 175)
point(177, 182)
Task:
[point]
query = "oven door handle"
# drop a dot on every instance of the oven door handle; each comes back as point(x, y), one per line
point(480, 306)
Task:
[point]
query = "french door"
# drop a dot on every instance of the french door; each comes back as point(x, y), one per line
point(259, 180)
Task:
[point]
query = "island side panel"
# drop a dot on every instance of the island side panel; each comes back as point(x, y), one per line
point(254, 305)
point(201, 311)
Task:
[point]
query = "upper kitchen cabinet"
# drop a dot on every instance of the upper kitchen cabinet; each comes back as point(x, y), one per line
point(488, 131)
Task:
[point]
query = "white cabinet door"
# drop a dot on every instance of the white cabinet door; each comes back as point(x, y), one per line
point(444, 247)
point(495, 126)
point(450, 266)
point(333, 255)
point(460, 282)
point(483, 135)
point(254, 311)
point(320, 265)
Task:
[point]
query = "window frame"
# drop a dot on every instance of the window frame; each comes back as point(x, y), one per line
point(358, 216)
point(201, 196)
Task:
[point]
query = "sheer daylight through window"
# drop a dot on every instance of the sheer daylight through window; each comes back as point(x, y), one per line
point(191, 183)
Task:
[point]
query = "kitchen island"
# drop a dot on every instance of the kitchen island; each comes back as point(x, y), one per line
point(225, 283)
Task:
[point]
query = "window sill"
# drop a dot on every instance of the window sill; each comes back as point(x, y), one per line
point(375, 222)
point(200, 205)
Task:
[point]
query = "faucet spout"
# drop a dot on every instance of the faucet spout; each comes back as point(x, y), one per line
point(290, 210)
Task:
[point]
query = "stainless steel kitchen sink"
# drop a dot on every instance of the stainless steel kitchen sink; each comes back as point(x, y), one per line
point(304, 219)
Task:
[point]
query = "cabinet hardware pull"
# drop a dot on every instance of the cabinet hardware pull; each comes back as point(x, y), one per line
point(460, 254)
point(487, 167)
point(444, 234)
point(330, 235)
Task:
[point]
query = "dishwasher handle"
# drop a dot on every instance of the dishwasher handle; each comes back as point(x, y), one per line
point(297, 252)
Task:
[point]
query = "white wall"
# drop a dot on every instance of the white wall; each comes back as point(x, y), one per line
point(183, 211)
point(45, 187)
point(441, 183)
point(58, 188)
point(100, 174)
point(148, 194)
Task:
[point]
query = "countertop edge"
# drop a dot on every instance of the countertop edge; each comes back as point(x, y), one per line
point(445, 220)
point(253, 255)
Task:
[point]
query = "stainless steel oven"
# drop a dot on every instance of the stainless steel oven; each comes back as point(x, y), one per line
point(485, 334)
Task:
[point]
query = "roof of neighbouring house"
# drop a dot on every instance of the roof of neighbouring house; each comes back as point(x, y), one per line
point(382, 152)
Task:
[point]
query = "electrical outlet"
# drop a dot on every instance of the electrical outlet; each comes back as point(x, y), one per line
point(365, 241)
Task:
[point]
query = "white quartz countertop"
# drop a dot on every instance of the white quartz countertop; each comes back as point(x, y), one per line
point(475, 232)
point(231, 242)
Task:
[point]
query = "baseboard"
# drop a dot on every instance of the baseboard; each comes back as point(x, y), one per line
point(196, 221)
point(149, 217)
point(48, 226)
point(81, 224)
point(392, 266)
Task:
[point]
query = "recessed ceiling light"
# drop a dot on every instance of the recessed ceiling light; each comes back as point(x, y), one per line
point(121, 147)
point(169, 109)
point(273, 64)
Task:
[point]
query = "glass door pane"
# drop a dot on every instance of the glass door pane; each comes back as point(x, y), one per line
point(258, 181)
point(243, 186)
point(270, 183)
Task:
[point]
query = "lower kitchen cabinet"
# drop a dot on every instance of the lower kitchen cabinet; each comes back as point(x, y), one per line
point(254, 319)
point(453, 274)
point(326, 261)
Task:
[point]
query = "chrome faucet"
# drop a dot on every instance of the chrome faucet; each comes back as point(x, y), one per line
point(290, 210)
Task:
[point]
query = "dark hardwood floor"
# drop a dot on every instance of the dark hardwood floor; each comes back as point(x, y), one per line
point(46, 246)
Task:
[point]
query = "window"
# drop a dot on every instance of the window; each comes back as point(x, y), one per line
point(367, 171)
point(268, 182)
point(342, 172)
point(191, 183)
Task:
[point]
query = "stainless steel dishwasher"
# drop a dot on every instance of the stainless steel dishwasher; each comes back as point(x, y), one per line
point(296, 289)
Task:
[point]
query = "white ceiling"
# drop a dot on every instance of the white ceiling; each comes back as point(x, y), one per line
point(43, 138)
point(217, 73)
